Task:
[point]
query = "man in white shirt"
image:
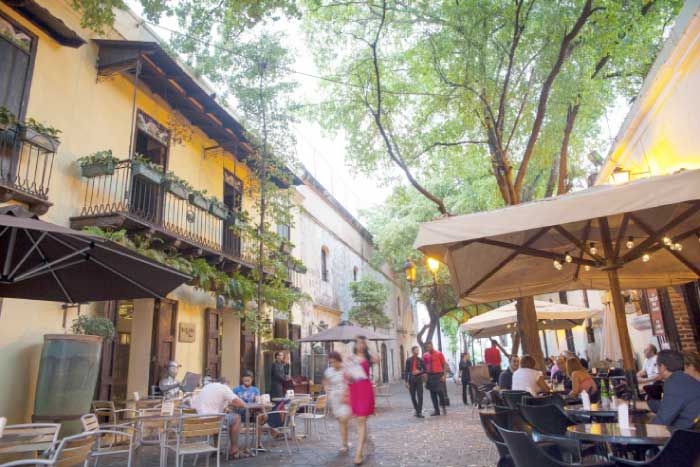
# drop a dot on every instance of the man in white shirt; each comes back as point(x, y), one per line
point(215, 398)
point(650, 372)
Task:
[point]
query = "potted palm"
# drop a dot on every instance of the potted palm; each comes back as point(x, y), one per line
point(98, 163)
point(144, 168)
point(45, 137)
point(68, 371)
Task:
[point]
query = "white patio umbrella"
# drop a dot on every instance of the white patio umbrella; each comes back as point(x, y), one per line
point(610, 347)
point(503, 320)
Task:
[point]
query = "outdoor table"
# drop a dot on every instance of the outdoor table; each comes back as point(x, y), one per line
point(252, 444)
point(612, 433)
point(598, 411)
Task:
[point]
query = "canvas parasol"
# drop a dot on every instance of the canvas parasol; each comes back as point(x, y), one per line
point(44, 261)
point(344, 332)
point(550, 315)
point(638, 235)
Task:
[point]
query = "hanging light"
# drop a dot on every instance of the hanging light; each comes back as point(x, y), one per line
point(593, 250)
point(646, 257)
point(630, 243)
point(678, 247)
point(568, 258)
point(668, 241)
point(586, 268)
point(557, 265)
point(698, 236)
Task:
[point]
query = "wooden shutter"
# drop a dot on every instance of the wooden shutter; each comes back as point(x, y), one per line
point(164, 338)
point(212, 338)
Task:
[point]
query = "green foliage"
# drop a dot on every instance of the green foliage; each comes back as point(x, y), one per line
point(99, 157)
point(44, 130)
point(93, 326)
point(370, 297)
point(279, 344)
point(7, 118)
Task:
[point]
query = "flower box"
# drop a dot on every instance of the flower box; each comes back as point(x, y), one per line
point(200, 201)
point(219, 210)
point(139, 169)
point(32, 136)
point(97, 169)
point(177, 189)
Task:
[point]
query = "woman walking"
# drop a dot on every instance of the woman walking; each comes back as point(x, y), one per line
point(361, 391)
point(336, 387)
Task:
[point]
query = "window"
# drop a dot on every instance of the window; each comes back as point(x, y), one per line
point(324, 264)
point(151, 140)
point(17, 51)
point(354, 273)
point(284, 231)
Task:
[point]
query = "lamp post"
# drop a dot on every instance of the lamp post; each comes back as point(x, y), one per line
point(434, 266)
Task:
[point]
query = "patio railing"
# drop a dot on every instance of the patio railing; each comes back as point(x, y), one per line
point(25, 167)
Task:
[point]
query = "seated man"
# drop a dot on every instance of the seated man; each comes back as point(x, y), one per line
point(681, 401)
point(649, 374)
point(216, 398)
point(505, 380)
point(246, 391)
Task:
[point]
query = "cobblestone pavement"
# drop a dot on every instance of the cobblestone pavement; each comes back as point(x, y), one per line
point(397, 438)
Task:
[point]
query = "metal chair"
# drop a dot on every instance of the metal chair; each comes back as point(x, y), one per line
point(526, 453)
point(107, 409)
point(552, 399)
point(71, 451)
point(111, 439)
point(195, 435)
point(682, 450)
point(33, 437)
point(288, 428)
point(315, 412)
point(514, 398)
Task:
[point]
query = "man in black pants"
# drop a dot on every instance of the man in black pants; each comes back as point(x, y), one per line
point(436, 367)
point(414, 372)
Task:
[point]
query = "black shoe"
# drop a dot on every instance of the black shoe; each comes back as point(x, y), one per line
point(420, 415)
point(435, 414)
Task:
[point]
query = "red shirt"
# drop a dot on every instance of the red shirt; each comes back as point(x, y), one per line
point(492, 356)
point(434, 362)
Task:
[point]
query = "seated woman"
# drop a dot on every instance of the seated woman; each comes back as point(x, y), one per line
point(580, 379)
point(526, 378)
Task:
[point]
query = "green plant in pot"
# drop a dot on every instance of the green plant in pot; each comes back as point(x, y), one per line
point(144, 168)
point(7, 118)
point(199, 198)
point(68, 371)
point(177, 186)
point(218, 208)
point(44, 136)
point(97, 164)
point(279, 344)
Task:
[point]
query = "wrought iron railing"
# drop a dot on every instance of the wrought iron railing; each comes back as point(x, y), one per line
point(125, 193)
point(24, 166)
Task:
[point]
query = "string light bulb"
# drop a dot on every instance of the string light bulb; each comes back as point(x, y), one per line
point(630, 243)
point(646, 257)
point(668, 241)
point(568, 258)
point(586, 268)
point(593, 250)
point(678, 247)
point(557, 265)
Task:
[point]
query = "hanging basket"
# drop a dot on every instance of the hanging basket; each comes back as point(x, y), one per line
point(97, 169)
point(177, 189)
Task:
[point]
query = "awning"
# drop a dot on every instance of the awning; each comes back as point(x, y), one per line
point(47, 22)
point(44, 261)
point(503, 320)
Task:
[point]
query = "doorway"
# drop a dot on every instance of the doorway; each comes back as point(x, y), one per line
point(114, 371)
point(385, 365)
point(163, 341)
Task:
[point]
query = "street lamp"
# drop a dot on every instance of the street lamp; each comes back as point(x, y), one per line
point(434, 267)
point(410, 270)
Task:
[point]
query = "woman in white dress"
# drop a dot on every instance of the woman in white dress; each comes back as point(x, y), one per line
point(527, 378)
point(336, 386)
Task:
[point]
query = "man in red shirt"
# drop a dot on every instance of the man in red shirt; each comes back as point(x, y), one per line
point(492, 357)
point(436, 367)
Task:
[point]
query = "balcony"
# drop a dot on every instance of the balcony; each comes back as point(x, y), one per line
point(26, 163)
point(125, 199)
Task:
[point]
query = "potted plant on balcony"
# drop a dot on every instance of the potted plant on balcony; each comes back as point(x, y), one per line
point(177, 186)
point(98, 163)
point(279, 344)
point(198, 198)
point(218, 209)
point(36, 133)
point(7, 119)
point(144, 168)
point(68, 371)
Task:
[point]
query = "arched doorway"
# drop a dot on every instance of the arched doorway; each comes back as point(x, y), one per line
point(385, 365)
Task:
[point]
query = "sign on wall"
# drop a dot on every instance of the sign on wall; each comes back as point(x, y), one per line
point(187, 332)
point(657, 321)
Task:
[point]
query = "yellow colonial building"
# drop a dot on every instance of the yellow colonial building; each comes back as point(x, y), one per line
point(119, 92)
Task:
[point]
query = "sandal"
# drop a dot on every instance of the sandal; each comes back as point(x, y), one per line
point(344, 449)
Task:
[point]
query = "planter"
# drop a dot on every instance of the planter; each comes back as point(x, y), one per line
point(68, 371)
point(97, 169)
point(199, 201)
point(219, 210)
point(177, 190)
point(32, 136)
point(142, 170)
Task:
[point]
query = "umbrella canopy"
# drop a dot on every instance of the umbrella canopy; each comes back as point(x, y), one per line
point(576, 241)
point(344, 333)
point(44, 261)
point(550, 315)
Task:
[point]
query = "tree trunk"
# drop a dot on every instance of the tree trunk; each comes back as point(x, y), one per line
point(527, 328)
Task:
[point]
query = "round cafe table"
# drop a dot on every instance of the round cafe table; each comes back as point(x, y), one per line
point(638, 433)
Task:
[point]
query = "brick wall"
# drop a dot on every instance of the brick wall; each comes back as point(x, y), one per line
point(684, 326)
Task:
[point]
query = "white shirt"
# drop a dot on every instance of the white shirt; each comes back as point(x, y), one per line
point(525, 379)
point(213, 399)
point(650, 367)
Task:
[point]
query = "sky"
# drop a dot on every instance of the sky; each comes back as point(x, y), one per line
point(324, 155)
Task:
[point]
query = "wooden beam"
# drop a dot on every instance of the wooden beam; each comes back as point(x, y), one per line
point(586, 233)
point(525, 250)
point(578, 243)
point(621, 234)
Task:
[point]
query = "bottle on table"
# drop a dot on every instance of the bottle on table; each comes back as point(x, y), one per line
point(604, 395)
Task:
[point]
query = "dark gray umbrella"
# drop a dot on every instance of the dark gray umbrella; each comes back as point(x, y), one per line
point(345, 332)
point(44, 261)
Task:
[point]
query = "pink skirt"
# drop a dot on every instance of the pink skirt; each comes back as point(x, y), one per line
point(362, 398)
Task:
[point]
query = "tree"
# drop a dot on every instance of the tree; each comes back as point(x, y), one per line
point(370, 298)
point(516, 85)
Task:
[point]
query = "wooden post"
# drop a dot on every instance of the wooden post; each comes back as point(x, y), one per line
point(516, 343)
point(616, 293)
point(527, 328)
